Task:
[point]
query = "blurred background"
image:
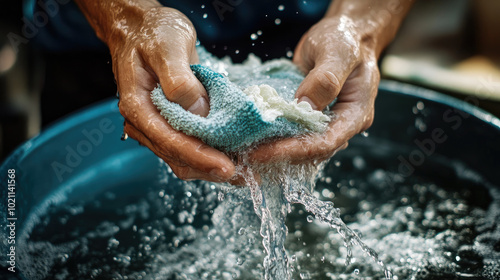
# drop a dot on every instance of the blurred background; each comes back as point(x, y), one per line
point(452, 46)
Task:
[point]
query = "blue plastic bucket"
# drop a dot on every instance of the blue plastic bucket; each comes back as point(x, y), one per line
point(82, 155)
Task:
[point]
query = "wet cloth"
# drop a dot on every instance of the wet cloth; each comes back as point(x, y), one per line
point(239, 118)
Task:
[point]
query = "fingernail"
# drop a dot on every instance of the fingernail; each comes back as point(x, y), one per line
point(200, 107)
point(308, 100)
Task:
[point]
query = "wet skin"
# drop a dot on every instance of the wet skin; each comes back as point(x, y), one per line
point(153, 44)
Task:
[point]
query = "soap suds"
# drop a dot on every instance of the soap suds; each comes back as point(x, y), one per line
point(272, 106)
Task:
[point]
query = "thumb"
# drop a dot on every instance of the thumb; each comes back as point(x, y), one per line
point(181, 86)
point(322, 85)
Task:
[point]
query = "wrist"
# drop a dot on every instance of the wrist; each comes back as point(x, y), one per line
point(375, 23)
point(112, 19)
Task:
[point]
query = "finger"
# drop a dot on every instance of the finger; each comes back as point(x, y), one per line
point(137, 108)
point(323, 84)
point(352, 115)
point(187, 173)
point(314, 146)
point(181, 169)
point(178, 82)
point(133, 133)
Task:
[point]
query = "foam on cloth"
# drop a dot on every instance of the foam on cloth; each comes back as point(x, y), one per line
point(239, 118)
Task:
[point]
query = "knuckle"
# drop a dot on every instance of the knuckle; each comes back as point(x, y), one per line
point(165, 152)
point(121, 108)
point(329, 82)
point(368, 120)
point(179, 89)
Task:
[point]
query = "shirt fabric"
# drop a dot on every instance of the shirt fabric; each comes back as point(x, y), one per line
point(236, 28)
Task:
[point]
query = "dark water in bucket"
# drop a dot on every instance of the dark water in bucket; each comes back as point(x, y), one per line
point(423, 226)
point(125, 216)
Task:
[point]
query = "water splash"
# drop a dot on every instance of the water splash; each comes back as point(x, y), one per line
point(283, 185)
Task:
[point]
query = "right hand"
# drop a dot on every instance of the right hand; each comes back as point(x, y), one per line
point(153, 46)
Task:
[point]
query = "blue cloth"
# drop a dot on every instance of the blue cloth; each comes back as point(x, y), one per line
point(234, 122)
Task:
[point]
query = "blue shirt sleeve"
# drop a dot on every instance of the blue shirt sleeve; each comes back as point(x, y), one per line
point(269, 28)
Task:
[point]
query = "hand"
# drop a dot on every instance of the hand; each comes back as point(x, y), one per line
point(339, 55)
point(339, 65)
point(152, 44)
point(160, 49)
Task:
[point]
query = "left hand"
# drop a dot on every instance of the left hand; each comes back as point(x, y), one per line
point(339, 64)
point(339, 55)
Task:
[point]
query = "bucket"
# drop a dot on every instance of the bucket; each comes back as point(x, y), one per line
point(417, 133)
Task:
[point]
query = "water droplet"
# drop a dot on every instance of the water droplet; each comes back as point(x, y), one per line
point(293, 258)
point(289, 54)
point(203, 6)
point(277, 21)
point(310, 218)
point(356, 271)
point(220, 196)
point(305, 275)
point(364, 134)
point(420, 124)
point(237, 51)
point(259, 32)
point(358, 162)
point(205, 15)
point(113, 243)
point(240, 261)
point(420, 105)
point(254, 36)
point(281, 7)
point(241, 231)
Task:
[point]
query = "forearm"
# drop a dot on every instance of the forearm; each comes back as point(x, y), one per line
point(109, 18)
point(379, 20)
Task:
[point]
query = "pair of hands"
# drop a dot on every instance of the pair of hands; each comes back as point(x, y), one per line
point(157, 44)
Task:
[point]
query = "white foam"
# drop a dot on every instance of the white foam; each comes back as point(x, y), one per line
point(272, 106)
